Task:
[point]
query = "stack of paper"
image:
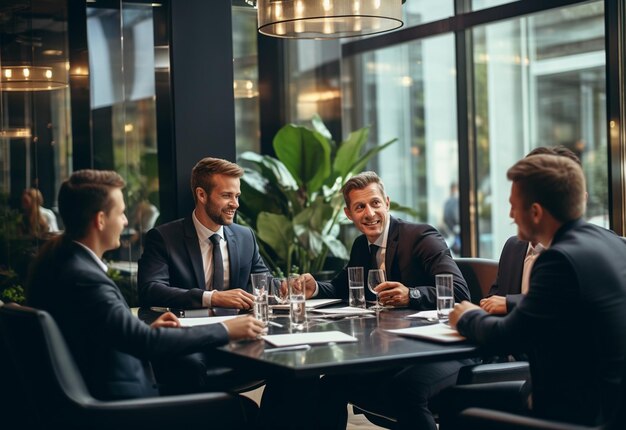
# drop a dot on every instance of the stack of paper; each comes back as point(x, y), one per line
point(346, 311)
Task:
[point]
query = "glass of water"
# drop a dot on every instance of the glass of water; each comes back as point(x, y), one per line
point(445, 295)
point(297, 302)
point(260, 292)
point(356, 287)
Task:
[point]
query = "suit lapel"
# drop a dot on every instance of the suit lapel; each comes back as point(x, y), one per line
point(193, 248)
point(233, 258)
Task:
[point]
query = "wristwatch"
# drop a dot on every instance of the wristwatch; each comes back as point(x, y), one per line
point(415, 297)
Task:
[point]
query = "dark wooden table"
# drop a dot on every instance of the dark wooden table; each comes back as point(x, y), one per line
point(376, 348)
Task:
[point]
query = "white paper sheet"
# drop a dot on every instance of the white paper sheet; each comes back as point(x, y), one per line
point(308, 338)
point(310, 304)
point(429, 315)
point(192, 322)
point(345, 311)
point(436, 332)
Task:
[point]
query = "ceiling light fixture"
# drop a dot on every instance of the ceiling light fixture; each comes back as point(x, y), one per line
point(327, 19)
point(29, 78)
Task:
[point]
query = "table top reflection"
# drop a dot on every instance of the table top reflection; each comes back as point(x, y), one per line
point(376, 348)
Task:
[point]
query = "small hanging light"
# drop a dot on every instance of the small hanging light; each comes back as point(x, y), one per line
point(327, 19)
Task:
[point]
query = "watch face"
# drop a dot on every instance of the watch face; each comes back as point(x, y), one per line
point(414, 293)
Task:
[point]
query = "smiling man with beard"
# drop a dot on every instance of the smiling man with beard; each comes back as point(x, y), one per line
point(178, 267)
point(202, 261)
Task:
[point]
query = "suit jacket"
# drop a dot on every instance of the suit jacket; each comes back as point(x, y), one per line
point(170, 269)
point(415, 254)
point(110, 345)
point(509, 280)
point(571, 324)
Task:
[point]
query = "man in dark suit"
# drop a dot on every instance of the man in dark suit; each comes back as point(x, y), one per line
point(411, 254)
point(572, 322)
point(202, 261)
point(69, 280)
point(517, 258)
point(178, 265)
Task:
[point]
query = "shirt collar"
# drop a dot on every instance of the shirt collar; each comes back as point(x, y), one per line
point(203, 232)
point(381, 242)
point(536, 250)
point(93, 255)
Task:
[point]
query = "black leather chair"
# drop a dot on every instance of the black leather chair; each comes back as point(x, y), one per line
point(488, 419)
point(480, 274)
point(56, 395)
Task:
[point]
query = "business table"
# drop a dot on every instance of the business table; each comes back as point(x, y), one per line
point(376, 348)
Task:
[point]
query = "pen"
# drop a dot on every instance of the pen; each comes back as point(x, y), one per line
point(159, 309)
point(275, 324)
point(289, 348)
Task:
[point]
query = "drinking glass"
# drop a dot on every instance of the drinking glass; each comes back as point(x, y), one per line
point(445, 295)
point(356, 287)
point(260, 292)
point(297, 302)
point(279, 292)
point(376, 277)
point(259, 283)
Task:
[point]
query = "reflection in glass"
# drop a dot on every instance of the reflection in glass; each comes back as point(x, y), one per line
point(539, 81)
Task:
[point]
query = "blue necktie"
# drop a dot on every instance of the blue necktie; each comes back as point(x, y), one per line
point(218, 264)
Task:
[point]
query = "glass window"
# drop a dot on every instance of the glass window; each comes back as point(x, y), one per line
point(539, 81)
point(35, 133)
point(408, 92)
point(245, 85)
point(123, 62)
point(484, 4)
point(423, 11)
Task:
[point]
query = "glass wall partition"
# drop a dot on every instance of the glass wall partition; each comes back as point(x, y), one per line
point(35, 133)
point(123, 61)
point(539, 80)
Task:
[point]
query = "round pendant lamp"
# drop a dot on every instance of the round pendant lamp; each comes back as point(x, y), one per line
point(327, 19)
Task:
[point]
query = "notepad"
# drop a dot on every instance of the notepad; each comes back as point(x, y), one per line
point(436, 332)
point(192, 322)
point(308, 338)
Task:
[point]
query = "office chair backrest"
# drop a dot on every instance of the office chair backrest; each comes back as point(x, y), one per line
point(479, 273)
point(44, 363)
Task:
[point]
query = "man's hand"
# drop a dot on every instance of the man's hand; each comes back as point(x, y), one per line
point(494, 305)
point(237, 298)
point(167, 319)
point(393, 294)
point(309, 284)
point(246, 327)
point(459, 310)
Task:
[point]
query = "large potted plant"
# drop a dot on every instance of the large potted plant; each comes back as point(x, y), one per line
point(293, 202)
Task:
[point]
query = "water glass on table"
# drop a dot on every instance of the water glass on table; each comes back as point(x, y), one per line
point(356, 287)
point(444, 284)
point(260, 292)
point(375, 277)
point(297, 302)
point(278, 290)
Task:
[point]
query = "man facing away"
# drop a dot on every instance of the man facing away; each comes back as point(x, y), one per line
point(111, 346)
point(571, 324)
point(411, 254)
point(517, 258)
